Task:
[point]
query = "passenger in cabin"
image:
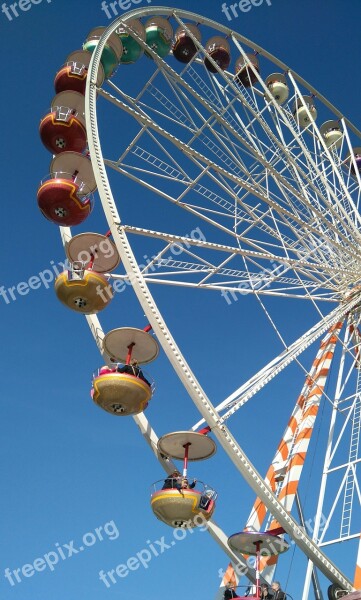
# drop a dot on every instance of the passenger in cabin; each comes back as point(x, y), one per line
point(265, 593)
point(186, 485)
point(133, 369)
point(105, 370)
point(230, 592)
point(206, 498)
point(173, 481)
point(278, 594)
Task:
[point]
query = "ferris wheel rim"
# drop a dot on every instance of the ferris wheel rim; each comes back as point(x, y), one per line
point(169, 11)
point(116, 227)
point(305, 288)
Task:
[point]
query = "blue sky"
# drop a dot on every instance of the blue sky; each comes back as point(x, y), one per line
point(69, 468)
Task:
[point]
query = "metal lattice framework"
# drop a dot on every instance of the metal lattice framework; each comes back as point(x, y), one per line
point(276, 213)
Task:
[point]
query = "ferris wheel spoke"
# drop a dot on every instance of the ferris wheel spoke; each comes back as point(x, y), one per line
point(303, 223)
point(326, 222)
point(275, 208)
point(268, 279)
point(247, 390)
point(222, 433)
point(312, 270)
point(320, 216)
point(312, 250)
point(308, 171)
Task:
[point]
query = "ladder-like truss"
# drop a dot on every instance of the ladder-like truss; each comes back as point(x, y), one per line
point(280, 213)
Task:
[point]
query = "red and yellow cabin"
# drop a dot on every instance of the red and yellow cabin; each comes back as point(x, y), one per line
point(120, 394)
point(63, 129)
point(72, 76)
point(185, 507)
point(63, 201)
point(86, 292)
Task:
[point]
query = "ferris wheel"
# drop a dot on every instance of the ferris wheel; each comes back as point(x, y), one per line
point(257, 178)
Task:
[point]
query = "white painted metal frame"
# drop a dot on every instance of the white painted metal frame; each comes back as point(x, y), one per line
point(347, 410)
point(152, 440)
point(325, 274)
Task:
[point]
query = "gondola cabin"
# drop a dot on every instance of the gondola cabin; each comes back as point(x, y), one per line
point(112, 51)
point(183, 508)
point(277, 87)
point(335, 592)
point(64, 201)
point(159, 33)
point(132, 50)
point(184, 47)
point(332, 134)
point(63, 129)
point(120, 394)
point(84, 291)
point(73, 74)
point(304, 111)
point(219, 50)
point(65, 197)
point(244, 74)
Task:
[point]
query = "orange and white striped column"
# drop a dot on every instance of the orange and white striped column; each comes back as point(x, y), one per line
point(309, 401)
point(292, 450)
point(357, 578)
point(230, 577)
point(298, 432)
